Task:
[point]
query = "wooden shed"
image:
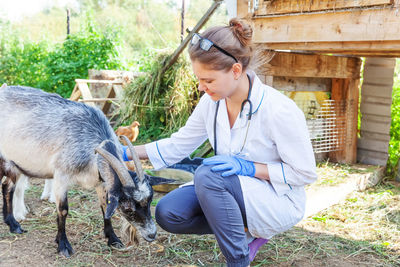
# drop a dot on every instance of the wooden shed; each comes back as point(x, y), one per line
point(317, 45)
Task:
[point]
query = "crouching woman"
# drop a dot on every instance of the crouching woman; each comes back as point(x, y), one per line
point(253, 188)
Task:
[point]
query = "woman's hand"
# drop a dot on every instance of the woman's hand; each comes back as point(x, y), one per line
point(140, 150)
point(231, 165)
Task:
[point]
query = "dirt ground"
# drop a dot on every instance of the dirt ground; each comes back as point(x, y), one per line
point(358, 232)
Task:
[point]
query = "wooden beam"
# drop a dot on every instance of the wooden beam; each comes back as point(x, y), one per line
point(196, 28)
point(76, 93)
point(346, 93)
point(98, 100)
point(357, 26)
point(305, 65)
point(99, 81)
point(302, 6)
point(302, 84)
point(86, 94)
point(330, 47)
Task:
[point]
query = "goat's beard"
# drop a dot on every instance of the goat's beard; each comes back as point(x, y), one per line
point(129, 233)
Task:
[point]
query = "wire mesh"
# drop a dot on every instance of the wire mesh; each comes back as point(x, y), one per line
point(327, 124)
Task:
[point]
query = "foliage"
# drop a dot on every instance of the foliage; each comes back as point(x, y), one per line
point(160, 102)
point(80, 52)
point(54, 67)
point(394, 144)
point(21, 62)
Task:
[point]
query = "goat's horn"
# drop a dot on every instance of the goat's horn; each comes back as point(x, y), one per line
point(135, 158)
point(118, 167)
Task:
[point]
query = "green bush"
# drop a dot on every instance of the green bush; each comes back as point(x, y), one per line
point(394, 144)
point(54, 67)
point(80, 52)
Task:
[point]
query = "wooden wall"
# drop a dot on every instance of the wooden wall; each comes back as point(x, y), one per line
point(299, 71)
point(376, 100)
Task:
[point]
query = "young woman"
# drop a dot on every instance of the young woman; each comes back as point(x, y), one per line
point(253, 188)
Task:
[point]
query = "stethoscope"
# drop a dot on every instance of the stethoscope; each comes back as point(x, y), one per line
point(247, 100)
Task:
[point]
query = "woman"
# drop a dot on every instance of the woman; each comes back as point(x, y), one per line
point(253, 188)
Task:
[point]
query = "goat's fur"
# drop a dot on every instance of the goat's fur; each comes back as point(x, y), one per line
point(43, 135)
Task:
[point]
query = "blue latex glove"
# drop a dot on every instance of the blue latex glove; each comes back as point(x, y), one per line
point(231, 165)
point(125, 156)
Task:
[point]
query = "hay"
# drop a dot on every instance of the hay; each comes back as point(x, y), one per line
point(161, 102)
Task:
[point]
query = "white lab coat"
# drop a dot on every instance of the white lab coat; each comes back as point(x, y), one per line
point(277, 136)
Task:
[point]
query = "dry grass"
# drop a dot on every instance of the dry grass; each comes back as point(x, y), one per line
point(364, 230)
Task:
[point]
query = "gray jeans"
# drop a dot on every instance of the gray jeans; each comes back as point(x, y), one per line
point(214, 205)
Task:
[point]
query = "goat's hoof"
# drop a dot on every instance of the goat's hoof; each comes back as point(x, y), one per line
point(117, 245)
point(65, 249)
point(18, 230)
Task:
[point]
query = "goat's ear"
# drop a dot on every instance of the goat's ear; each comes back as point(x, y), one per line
point(154, 180)
point(112, 205)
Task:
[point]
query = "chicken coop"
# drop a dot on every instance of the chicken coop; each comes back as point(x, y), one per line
point(315, 49)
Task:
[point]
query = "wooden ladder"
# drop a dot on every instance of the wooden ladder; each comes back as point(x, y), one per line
point(81, 89)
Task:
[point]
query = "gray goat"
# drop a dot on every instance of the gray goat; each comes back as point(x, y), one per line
point(43, 135)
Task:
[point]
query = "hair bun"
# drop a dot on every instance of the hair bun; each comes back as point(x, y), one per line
point(242, 31)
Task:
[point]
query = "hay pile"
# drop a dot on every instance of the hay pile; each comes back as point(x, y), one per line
point(160, 102)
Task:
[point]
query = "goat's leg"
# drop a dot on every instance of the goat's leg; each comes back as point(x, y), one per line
point(19, 208)
point(64, 247)
point(8, 188)
point(48, 192)
point(113, 240)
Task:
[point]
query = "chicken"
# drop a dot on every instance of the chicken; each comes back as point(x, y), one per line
point(131, 131)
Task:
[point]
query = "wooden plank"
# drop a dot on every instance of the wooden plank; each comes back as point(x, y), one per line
point(76, 94)
point(306, 65)
point(366, 25)
point(98, 100)
point(107, 105)
point(377, 118)
point(374, 145)
point(365, 48)
point(375, 136)
point(382, 62)
point(372, 157)
point(375, 126)
point(375, 109)
point(346, 90)
point(377, 100)
point(374, 90)
point(86, 94)
point(242, 8)
point(118, 91)
point(302, 84)
point(377, 72)
point(301, 6)
point(99, 81)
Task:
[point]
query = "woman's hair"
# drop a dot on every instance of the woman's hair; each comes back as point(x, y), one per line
point(235, 39)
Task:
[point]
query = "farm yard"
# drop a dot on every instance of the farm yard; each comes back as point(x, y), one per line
point(362, 230)
point(337, 60)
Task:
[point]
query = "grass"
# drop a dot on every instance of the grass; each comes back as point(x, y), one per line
point(363, 230)
point(334, 173)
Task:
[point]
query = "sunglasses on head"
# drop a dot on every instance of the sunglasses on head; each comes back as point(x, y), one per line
point(206, 45)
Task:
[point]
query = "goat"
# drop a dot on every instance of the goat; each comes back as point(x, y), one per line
point(46, 136)
point(131, 131)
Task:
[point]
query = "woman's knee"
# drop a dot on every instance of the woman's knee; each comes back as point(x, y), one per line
point(163, 215)
point(205, 179)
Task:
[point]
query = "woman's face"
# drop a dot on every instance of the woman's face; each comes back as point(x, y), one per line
point(218, 84)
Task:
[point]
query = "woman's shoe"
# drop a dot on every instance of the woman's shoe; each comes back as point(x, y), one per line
point(254, 246)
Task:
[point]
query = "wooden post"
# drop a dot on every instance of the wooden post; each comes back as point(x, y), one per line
point(196, 28)
point(345, 92)
point(183, 20)
point(68, 15)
